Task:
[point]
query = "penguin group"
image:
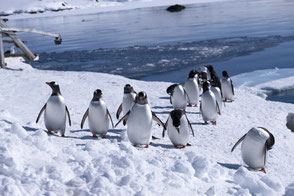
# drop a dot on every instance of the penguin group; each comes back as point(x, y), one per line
point(202, 88)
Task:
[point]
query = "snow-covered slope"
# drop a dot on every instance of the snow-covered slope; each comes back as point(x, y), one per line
point(40, 6)
point(34, 163)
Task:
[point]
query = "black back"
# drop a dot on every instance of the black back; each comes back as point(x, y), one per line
point(176, 116)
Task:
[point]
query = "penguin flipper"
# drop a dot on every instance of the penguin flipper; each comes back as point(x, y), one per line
point(264, 152)
point(155, 118)
point(186, 94)
point(164, 129)
point(69, 121)
point(40, 113)
point(217, 108)
point(84, 118)
point(232, 86)
point(238, 142)
point(110, 118)
point(170, 100)
point(119, 110)
point(270, 141)
point(124, 118)
point(190, 126)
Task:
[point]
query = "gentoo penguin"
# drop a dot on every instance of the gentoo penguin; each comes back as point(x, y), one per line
point(227, 87)
point(209, 107)
point(55, 111)
point(139, 121)
point(178, 127)
point(205, 70)
point(217, 93)
point(178, 96)
point(214, 77)
point(254, 147)
point(128, 100)
point(98, 115)
point(290, 121)
point(192, 89)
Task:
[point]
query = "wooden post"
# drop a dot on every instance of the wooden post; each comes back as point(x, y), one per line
point(2, 60)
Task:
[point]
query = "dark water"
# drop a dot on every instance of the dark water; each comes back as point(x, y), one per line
point(283, 96)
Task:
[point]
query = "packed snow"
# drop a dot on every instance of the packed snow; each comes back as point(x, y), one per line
point(92, 6)
point(35, 163)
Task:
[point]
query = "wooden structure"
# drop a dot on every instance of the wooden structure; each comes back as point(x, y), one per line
point(6, 31)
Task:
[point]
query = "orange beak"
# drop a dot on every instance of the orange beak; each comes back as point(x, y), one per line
point(48, 83)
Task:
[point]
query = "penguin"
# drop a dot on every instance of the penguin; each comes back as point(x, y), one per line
point(227, 87)
point(178, 96)
point(178, 127)
point(55, 111)
point(256, 142)
point(204, 69)
point(192, 89)
point(214, 77)
point(98, 115)
point(139, 121)
point(217, 93)
point(128, 100)
point(209, 107)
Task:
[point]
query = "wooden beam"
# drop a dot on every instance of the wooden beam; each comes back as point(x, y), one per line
point(2, 60)
point(18, 42)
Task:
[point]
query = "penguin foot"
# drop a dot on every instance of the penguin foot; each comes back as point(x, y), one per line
point(205, 122)
point(146, 146)
point(195, 105)
point(190, 105)
point(214, 122)
point(103, 136)
point(49, 132)
point(62, 135)
point(95, 136)
point(263, 170)
point(180, 146)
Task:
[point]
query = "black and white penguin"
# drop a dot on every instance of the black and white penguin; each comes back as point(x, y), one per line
point(139, 121)
point(178, 127)
point(218, 95)
point(227, 87)
point(204, 69)
point(178, 96)
point(128, 100)
point(254, 147)
point(215, 81)
point(98, 115)
point(55, 111)
point(209, 107)
point(192, 88)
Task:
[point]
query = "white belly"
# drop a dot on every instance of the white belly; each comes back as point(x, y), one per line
point(179, 100)
point(192, 89)
point(208, 102)
point(128, 102)
point(139, 124)
point(226, 88)
point(178, 138)
point(218, 96)
point(252, 148)
point(55, 115)
point(97, 118)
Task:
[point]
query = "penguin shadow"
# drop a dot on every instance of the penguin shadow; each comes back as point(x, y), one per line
point(12, 69)
point(29, 128)
point(164, 112)
point(167, 146)
point(193, 112)
point(229, 165)
point(199, 123)
point(162, 107)
point(163, 97)
point(79, 130)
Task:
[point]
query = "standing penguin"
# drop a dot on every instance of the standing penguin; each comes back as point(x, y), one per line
point(254, 147)
point(192, 88)
point(98, 115)
point(227, 87)
point(217, 92)
point(209, 107)
point(128, 100)
point(55, 111)
point(178, 96)
point(178, 127)
point(204, 69)
point(139, 121)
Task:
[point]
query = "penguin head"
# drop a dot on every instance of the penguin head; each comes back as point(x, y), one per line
point(192, 74)
point(176, 116)
point(210, 68)
point(97, 95)
point(55, 88)
point(205, 86)
point(128, 88)
point(225, 74)
point(170, 89)
point(141, 98)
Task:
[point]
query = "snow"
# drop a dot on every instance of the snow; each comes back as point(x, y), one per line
point(82, 6)
point(35, 163)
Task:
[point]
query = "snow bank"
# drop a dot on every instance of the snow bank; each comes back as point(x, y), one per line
point(82, 6)
point(34, 163)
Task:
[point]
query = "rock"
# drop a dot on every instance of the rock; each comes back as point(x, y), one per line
point(290, 121)
point(175, 8)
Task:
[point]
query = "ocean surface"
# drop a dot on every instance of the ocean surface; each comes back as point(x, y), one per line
point(153, 44)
